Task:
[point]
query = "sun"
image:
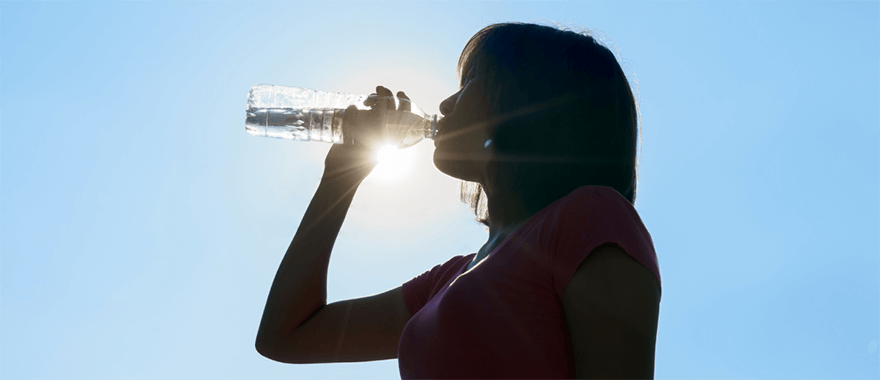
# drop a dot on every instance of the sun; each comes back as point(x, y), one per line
point(394, 163)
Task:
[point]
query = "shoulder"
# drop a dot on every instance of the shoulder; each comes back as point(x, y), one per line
point(443, 272)
point(591, 196)
point(418, 290)
point(593, 206)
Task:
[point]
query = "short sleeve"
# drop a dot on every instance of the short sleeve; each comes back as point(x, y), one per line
point(595, 216)
point(420, 289)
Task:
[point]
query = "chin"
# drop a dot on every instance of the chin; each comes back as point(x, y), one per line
point(459, 168)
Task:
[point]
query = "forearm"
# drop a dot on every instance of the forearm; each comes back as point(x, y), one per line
point(300, 286)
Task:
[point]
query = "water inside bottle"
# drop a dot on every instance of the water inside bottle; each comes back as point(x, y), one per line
point(404, 129)
point(293, 124)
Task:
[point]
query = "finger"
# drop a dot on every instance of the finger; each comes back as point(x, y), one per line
point(405, 103)
point(370, 101)
point(350, 119)
point(386, 95)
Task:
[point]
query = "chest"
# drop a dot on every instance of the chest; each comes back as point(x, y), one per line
point(501, 320)
point(490, 246)
point(481, 255)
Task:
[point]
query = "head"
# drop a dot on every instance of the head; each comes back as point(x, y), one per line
point(556, 108)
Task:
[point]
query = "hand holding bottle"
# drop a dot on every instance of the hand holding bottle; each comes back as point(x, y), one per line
point(375, 120)
point(366, 132)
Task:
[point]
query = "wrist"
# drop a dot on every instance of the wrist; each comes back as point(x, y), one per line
point(343, 178)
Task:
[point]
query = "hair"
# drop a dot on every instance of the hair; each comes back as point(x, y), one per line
point(564, 111)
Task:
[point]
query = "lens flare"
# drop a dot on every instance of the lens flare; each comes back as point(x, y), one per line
point(393, 163)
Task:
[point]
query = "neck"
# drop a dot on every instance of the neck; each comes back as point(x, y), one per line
point(505, 202)
point(507, 212)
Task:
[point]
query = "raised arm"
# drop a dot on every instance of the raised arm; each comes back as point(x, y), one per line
point(297, 324)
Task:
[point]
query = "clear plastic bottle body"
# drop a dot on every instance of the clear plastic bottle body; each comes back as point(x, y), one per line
point(307, 115)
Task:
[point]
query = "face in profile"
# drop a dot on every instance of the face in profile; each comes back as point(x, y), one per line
point(462, 133)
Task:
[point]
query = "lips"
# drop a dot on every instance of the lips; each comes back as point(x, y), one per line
point(437, 133)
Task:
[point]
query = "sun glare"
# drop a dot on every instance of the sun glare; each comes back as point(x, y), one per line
point(393, 163)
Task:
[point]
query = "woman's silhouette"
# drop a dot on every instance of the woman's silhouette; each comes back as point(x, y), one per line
point(544, 130)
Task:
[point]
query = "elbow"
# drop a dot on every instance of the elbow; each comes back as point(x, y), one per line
point(271, 349)
point(267, 348)
point(263, 348)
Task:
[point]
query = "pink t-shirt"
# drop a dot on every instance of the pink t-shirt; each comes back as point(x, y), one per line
point(504, 318)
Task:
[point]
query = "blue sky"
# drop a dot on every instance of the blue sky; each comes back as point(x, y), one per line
point(141, 226)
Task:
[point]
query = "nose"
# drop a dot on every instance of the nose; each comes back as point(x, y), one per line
point(448, 105)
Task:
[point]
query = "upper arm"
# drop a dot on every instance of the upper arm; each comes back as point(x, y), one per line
point(611, 305)
point(353, 330)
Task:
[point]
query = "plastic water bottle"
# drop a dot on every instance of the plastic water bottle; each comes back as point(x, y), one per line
point(302, 114)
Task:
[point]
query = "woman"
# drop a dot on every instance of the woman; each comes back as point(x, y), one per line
point(567, 285)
